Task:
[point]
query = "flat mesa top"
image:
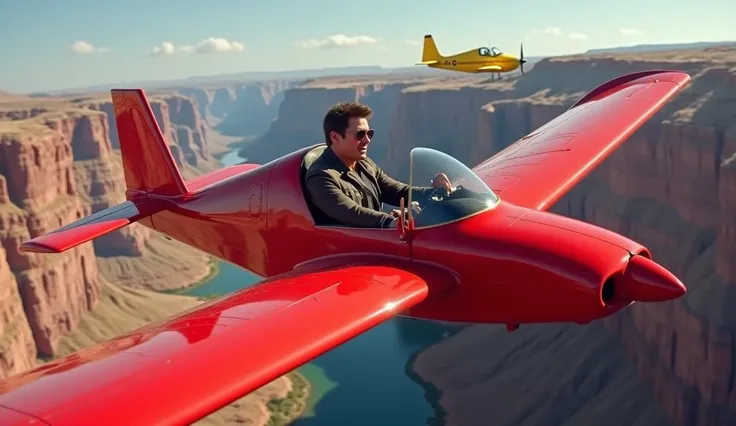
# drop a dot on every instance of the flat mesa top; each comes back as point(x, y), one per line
point(716, 55)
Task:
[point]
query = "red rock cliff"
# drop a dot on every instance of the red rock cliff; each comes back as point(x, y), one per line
point(36, 160)
point(239, 109)
point(299, 120)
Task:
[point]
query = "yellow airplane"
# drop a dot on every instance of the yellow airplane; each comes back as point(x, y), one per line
point(480, 60)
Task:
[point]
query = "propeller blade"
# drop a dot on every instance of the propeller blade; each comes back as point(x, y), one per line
point(522, 61)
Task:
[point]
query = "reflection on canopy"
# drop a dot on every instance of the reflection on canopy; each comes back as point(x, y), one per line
point(433, 207)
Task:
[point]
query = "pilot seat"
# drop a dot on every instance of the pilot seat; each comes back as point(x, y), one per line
point(307, 161)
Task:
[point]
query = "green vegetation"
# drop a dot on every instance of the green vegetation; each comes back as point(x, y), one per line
point(214, 265)
point(284, 411)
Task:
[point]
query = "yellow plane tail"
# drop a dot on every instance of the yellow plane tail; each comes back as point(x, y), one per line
point(430, 54)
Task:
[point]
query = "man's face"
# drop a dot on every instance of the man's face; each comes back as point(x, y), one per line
point(354, 146)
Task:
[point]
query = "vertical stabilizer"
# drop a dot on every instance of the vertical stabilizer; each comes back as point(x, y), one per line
point(147, 161)
point(429, 50)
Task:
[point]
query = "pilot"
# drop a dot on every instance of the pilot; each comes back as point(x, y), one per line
point(347, 186)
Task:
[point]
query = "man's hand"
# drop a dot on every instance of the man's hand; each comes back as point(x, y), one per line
point(442, 181)
point(397, 213)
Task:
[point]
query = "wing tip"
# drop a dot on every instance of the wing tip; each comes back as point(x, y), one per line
point(680, 78)
point(36, 246)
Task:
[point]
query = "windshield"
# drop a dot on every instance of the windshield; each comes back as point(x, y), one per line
point(435, 206)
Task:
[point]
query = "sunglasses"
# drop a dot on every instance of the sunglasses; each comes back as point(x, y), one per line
point(360, 134)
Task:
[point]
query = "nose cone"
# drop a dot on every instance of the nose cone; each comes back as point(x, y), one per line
point(646, 281)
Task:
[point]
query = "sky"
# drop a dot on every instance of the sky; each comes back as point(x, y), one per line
point(54, 44)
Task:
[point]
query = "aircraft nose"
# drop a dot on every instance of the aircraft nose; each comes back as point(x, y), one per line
point(646, 281)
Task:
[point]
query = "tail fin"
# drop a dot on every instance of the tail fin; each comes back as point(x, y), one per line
point(147, 160)
point(149, 170)
point(430, 54)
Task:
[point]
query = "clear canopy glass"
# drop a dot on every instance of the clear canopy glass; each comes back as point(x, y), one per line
point(432, 206)
point(485, 51)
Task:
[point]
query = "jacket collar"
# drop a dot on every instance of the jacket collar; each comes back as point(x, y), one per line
point(335, 162)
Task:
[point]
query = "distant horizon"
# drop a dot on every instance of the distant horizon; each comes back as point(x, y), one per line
point(266, 75)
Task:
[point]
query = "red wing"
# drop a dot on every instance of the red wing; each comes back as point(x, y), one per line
point(180, 370)
point(540, 168)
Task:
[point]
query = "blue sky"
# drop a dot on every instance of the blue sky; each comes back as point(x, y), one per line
point(38, 35)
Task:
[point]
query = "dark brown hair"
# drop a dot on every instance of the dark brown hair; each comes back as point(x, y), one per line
point(338, 116)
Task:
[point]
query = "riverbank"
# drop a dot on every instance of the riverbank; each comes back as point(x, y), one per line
point(286, 410)
point(213, 266)
point(431, 393)
point(275, 404)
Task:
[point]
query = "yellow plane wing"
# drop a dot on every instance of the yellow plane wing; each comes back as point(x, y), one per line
point(490, 68)
point(427, 63)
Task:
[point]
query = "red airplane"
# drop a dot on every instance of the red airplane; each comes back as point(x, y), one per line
point(486, 251)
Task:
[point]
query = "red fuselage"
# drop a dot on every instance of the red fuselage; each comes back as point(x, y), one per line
point(508, 265)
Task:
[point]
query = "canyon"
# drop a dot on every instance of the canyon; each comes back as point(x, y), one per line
point(59, 161)
point(671, 186)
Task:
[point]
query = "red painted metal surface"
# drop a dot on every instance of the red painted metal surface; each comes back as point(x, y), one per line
point(12, 417)
point(215, 353)
point(93, 226)
point(512, 263)
point(148, 164)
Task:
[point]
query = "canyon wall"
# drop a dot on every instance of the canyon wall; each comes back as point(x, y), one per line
point(60, 161)
point(671, 186)
point(239, 109)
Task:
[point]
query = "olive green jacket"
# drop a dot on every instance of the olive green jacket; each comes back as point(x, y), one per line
point(334, 192)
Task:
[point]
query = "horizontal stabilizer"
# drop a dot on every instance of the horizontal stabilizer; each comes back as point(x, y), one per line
point(91, 227)
point(427, 63)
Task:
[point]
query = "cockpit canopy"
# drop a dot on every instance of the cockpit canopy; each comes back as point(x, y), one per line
point(493, 51)
point(435, 206)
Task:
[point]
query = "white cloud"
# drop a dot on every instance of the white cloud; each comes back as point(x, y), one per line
point(630, 31)
point(166, 48)
point(206, 46)
point(577, 36)
point(555, 32)
point(336, 41)
point(81, 47)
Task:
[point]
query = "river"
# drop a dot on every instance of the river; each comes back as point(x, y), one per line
point(365, 381)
